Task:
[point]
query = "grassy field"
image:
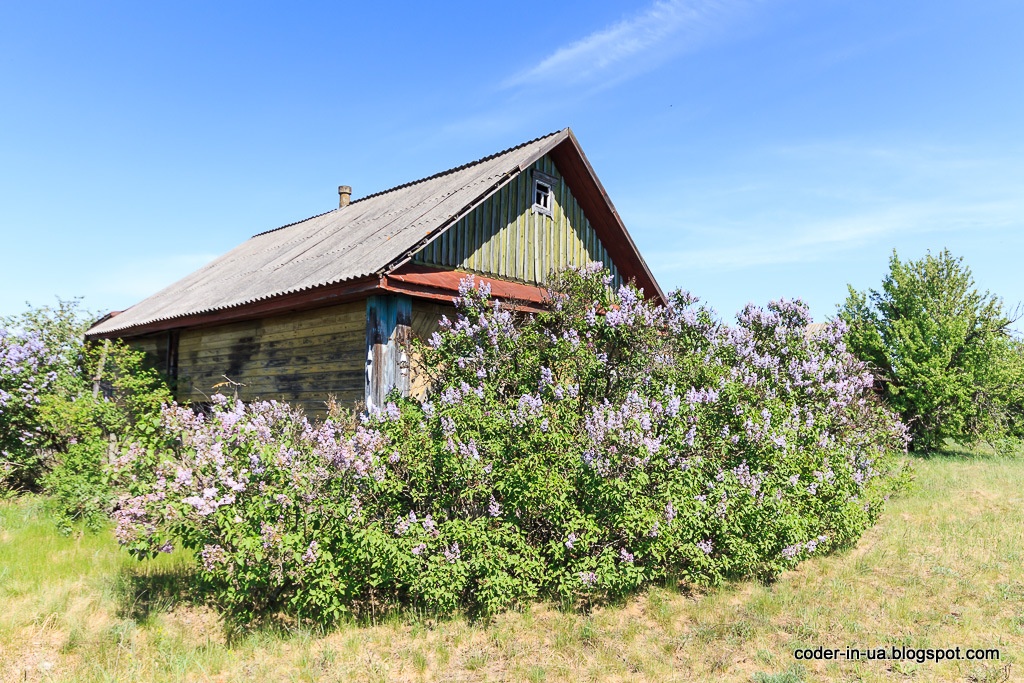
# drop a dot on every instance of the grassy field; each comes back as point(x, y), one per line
point(942, 569)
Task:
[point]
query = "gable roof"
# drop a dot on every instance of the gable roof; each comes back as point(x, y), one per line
point(370, 236)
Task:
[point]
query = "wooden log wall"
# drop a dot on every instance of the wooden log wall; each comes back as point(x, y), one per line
point(155, 348)
point(301, 358)
point(504, 237)
point(425, 317)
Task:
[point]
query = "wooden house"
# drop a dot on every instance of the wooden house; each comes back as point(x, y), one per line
point(327, 305)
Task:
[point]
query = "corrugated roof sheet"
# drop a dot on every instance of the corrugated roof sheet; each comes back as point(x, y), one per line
point(351, 242)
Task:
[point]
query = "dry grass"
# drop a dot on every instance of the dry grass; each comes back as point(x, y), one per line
point(943, 568)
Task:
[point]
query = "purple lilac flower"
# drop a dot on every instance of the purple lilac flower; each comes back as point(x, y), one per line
point(705, 546)
point(452, 554)
point(494, 509)
point(309, 557)
point(812, 545)
point(626, 556)
point(670, 512)
point(789, 552)
point(271, 535)
point(212, 556)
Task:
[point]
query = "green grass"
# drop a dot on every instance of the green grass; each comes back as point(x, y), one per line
point(942, 568)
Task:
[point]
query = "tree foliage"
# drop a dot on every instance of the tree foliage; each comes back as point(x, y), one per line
point(939, 348)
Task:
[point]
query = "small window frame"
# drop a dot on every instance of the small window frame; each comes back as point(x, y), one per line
point(541, 179)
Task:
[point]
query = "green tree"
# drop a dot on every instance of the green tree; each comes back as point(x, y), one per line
point(939, 348)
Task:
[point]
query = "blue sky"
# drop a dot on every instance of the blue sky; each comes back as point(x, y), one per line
point(754, 149)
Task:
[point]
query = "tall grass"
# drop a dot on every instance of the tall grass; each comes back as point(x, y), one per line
point(943, 568)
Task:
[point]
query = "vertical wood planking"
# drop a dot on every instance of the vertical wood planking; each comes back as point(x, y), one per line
point(503, 248)
point(481, 241)
point(504, 237)
point(562, 253)
point(523, 214)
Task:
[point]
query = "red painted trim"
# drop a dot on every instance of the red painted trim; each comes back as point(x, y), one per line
point(451, 279)
point(440, 284)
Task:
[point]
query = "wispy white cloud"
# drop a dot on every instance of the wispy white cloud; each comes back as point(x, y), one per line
point(633, 45)
point(823, 201)
point(821, 240)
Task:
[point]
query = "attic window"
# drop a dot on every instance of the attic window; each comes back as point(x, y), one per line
point(543, 193)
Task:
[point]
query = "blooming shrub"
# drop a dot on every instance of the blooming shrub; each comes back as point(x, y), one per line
point(27, 369)
point(583, 451)
point(54, 433)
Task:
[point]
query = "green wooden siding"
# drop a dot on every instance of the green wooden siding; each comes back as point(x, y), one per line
point(504, 237)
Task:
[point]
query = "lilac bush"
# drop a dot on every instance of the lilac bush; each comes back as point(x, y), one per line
point(28, 368)
point(54, 432)
point(584, 451)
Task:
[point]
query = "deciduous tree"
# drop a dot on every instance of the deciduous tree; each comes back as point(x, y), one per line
point(937, 346)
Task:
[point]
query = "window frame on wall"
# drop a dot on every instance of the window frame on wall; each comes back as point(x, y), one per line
point(546, 196)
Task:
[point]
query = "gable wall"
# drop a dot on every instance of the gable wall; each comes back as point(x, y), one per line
point(505, 238)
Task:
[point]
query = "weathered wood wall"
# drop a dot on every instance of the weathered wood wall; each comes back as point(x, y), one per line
point(301, 358)
point(304, 357)
point(388, 347)
point(504, 237)
point(425, 317)
point(155, 348)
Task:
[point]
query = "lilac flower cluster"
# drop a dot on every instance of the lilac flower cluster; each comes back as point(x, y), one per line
point(212, 556)
point(632, 310)
point(452, 554)
point(623, 434)
point(312, 552)
point(792, 551)
point(27, 372)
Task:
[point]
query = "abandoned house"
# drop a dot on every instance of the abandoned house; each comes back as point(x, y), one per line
point(328, 305)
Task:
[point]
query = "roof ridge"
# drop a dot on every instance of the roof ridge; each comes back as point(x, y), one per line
point(458, 168)
point(288, 225)
point(421, 180)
